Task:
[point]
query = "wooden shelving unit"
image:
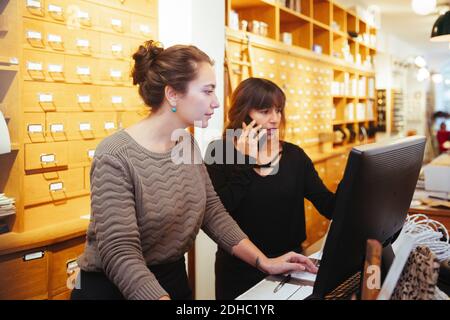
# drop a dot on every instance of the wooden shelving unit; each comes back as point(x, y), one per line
point(65, 85)
point(325, 37)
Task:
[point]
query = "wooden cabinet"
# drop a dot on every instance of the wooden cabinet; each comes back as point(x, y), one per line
point(24, 275)
point(40, 273)
point(68, 88)
point(65, 85)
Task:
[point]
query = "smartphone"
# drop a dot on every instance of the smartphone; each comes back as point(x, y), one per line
point(247, 121)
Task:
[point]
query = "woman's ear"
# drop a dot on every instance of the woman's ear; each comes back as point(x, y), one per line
point(171, 95)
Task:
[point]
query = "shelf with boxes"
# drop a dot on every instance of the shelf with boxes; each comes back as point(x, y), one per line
point(72, 89)
point(320, 95)
point(321, 26)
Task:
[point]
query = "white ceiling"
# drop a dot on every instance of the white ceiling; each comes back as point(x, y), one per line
point(397, 18)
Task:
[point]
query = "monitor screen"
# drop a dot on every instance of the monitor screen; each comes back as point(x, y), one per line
point(372, 202)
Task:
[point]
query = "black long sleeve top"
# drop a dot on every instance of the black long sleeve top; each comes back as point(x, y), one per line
point(269, 209)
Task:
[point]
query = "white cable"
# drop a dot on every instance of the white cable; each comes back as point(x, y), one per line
point(429, 232)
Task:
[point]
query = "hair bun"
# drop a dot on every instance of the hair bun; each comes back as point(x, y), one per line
point(143, 59)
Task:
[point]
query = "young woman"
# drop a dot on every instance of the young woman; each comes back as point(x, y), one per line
point(265, 198)
point(146, 207)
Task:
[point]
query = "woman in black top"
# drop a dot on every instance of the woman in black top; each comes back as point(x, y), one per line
point(265, 195)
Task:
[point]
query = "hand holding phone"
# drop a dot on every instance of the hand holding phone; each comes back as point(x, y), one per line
point(247, 143)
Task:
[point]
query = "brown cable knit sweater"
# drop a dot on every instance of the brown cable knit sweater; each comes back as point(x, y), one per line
point(147, 210)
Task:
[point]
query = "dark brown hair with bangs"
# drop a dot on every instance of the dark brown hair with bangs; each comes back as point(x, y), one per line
point(255, 93)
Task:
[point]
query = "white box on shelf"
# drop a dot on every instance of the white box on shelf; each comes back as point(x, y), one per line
point(437, 174)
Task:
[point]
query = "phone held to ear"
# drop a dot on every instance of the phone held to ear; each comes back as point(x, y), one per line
point(247, 121)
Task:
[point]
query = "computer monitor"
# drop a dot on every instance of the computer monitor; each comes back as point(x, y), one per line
point(371, 203)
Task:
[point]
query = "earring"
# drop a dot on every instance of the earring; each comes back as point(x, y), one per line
point(174, 109)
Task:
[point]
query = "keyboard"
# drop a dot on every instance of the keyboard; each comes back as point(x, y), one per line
point(348, 290)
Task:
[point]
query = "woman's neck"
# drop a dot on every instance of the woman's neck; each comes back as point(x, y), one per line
point(155, 132)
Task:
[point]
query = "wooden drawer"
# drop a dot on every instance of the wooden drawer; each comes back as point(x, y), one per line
point(84, 14)
point(58, 37)
point(108, 123)
point(56, 10)
point(82, 70)
point(143, 27)
point(115, 20)
point(56, 126)
point(115, 71)
point(83, 97)
point(34, 127)
point(82, 152)
point(120, 98)
point(53, 186)
point(63, 259)
point(33, 8)
point(82, 126)
point(22, 279)
point(33, 33)
point(85, 42)
point(115, 46)
point(45, 155)
point(33, 67)
point(56, 212)
point(44, 97)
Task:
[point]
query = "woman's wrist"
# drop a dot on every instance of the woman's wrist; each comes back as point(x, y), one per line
point(262, 264)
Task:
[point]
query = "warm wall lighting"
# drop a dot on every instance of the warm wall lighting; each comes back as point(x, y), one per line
point(423, 7)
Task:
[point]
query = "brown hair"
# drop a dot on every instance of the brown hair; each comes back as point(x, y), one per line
point(156, 67)
point(255, 93)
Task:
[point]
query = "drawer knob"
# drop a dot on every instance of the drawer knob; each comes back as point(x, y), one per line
point(84, 18)
point(117, 25)
point(85, 126)
point(35, 128)
point(33, 256)
point(57, 128)
point(48, 158)
point(35, 7)
point(110, 125)
point(55, 41)
point(56, 12)
point(56, 187)
point(116, 48)
point(145, 29)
